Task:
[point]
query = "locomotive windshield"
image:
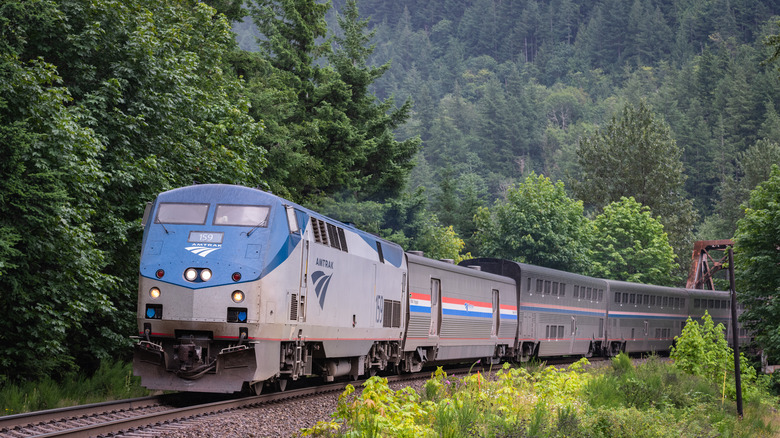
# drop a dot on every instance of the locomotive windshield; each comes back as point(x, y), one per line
point(242, 215)
point(178, 213)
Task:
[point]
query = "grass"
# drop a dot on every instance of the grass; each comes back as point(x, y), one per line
point(654, 399)
point(112, 381)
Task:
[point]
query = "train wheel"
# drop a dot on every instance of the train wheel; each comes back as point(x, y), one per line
point(281, 385)
point(257, 388)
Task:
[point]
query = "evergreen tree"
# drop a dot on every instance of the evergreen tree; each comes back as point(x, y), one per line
point(331, 135)
point(756, 257)
point(636, 156)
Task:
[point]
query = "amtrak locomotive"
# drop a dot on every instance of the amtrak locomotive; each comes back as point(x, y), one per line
point(240, 289)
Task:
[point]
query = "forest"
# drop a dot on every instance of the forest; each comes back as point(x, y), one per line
point(597, 136)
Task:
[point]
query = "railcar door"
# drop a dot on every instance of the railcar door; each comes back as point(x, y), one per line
point(435, 307)
point(496, 314)
point(573, 342)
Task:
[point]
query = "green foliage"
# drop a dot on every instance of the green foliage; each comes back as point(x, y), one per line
point(621, 364)
point(753, 166)
point(51, 270)
point(630, 401)
point(325, 131)
point(756, 258)
point(629, 244)
point(537, 224)
point(103, 104)
point(111, 381)
point(472, 405)
point(652, 399)
point(635, 155)
point(702, 350)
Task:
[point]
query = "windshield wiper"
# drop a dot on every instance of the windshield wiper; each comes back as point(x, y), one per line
point(262, 223)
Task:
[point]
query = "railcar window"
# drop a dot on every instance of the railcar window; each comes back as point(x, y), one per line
point(528, 285)
point(242, 215)
point(576, 291)
point(625, 297)
point(696, 303)
point(179, 213)
point(547, 286)
point(631, 299)
point(666, 302)
point(677, 303)
point(617, 297)
point(292, 220)
point(589, 293)
point(539, 286)
point(601, 294)
point(560, 332)
point(555, 288)
point(646, 300)
point(711, 304)
point(682, 302)
point(562, 290)
point(717, 304)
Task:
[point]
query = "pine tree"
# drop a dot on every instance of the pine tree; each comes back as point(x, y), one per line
point(636, 156)
point(331, 135)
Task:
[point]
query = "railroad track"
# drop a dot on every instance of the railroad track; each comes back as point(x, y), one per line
point(132, 417)
point(127, 416)
point(142, 416)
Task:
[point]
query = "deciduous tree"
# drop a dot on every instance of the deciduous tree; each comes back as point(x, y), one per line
point(756, 262)
point(537, 223)
point(629, 244)
point(635, 155)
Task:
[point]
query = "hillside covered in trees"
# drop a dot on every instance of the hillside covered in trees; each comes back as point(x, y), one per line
point(502, 89)
point(505, 88)
point(596, 136)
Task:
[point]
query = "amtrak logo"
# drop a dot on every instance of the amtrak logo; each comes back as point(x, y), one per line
point(202, 251)
point(321, 282)
point(469, 307)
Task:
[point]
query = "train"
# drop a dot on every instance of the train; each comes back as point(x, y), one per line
point(241, 290)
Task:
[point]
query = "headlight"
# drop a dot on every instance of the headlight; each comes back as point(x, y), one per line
point(205, 275)
point(154, 293)
point(237, 296)
point(191, 274)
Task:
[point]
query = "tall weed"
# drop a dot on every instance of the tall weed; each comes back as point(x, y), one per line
point(111, 381)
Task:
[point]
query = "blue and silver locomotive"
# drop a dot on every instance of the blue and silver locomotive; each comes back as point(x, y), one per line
point(240, 289)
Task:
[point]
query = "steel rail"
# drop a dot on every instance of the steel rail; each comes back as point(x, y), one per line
point(139, 422)
point(9, 422)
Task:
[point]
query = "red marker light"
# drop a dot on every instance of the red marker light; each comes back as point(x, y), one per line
point(236, 276)
point(159, 273)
